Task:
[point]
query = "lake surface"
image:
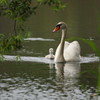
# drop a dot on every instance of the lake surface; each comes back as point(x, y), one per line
point(27, 75)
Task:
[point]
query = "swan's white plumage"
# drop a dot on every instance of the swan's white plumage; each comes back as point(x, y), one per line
point(66, 51)
point(66, 44)
point(72, 51)
point(50, 55)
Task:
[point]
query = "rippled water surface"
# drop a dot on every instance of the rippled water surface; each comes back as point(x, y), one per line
point(38, 78)
point(39, 81)
point(27, 75)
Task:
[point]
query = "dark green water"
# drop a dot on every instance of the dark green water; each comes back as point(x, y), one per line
point(38, 81)
point(27, 80)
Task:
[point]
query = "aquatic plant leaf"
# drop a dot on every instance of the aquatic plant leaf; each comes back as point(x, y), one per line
point(18, 58)
point(88, 42)
point(98, 82)
point(1, 57)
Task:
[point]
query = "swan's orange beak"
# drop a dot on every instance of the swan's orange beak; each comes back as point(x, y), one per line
point(56, 29)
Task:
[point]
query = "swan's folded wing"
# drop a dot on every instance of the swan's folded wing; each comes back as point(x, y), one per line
point(72, 52)
point(66, 44)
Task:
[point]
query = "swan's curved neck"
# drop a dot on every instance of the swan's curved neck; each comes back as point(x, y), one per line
point(59, 52)
point(63, 36)
point(62, 42)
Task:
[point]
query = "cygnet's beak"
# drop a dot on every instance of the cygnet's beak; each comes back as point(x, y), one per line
point(56, 29)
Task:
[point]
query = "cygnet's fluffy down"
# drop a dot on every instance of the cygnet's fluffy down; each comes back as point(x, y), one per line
point(50, 55)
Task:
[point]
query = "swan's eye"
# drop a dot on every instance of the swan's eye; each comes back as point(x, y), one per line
point(57, 27)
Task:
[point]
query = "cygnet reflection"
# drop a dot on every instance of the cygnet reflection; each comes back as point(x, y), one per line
point(69, 72)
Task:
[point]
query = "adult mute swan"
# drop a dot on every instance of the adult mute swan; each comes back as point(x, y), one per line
point(66, 51)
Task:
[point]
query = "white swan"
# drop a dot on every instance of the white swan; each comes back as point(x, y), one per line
point(50, 55)
point(66, 51)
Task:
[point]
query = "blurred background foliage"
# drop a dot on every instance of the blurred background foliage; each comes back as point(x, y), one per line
point(19, 11)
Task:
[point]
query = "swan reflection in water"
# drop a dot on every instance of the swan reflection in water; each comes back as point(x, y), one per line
point(67, 81)
point(67, 72)
point(67, 75)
